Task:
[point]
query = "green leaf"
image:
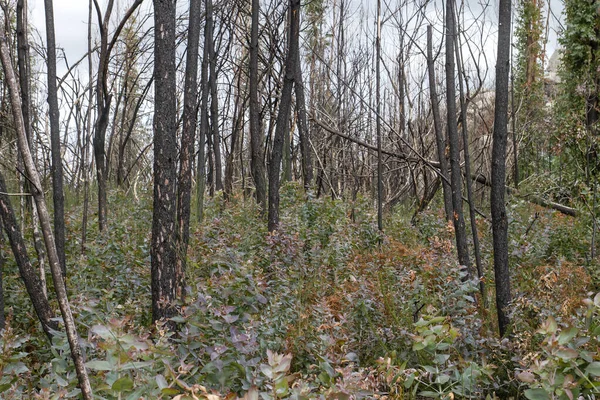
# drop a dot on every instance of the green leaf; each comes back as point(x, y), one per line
point(536, 394)
point(170, 391)
point(16, 368)
point(123, 384)
point(567, 354)
point(429, 394)
point(441, 358)
point(282, 387)
point(266, 370)
point(593, 368)
point(135, 365)
point(409, 381)
point(566, 335)
point(99, 365)
point(161, 381)
point(103, 331)
point(548, 327)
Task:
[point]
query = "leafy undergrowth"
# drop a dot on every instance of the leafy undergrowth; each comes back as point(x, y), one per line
point(327, 308)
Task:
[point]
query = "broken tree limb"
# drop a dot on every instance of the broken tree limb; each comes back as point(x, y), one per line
point(540, 201)
point(434, 165)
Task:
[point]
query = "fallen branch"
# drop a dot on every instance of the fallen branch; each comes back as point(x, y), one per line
point(436, 165)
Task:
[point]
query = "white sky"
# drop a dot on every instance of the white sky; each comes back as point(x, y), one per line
point(70, 18)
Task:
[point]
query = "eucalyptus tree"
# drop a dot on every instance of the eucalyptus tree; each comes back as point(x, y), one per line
point(188, 135)
point(164, 231)
point(498, 189)
point(57, 167)
point(214, 99)
point(104, 98)
point(285, 106)
point(437, 127)
point(44, 216)
point(453, 140)
point(257, 167)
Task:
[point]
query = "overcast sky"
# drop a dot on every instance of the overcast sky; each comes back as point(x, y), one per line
point(71, 22)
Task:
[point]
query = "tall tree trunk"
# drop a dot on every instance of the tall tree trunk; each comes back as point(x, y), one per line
point(204, 127)
point(214, 99)
point(188, 136)
point(2, 315)
point(24, 83)
point(163, 251)
point(103, 100)
point(378, 123)
point(303, 133)
point(38, 194)
point(456, 175)
point(468, 182)
point(88, 135)
point(499, 218)
point(257, 167)
point(437, 125)
point(57, 169)
point(33, 284)
point(237, 126)
point(285, 106)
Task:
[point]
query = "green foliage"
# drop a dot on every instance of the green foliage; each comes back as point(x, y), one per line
point(568, 365)
point(325, 308)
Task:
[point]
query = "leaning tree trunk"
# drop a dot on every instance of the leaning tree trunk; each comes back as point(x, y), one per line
point(57, 169)
point(38, 195)
point(499, 218)
point(24, 84)
point(163, 251)
point(33, 284)
point(455, 170)
point(285, 107)
point(188, 135)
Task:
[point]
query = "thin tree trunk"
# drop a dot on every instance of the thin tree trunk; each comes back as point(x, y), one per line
point(468, 182)
point(163, 251)
point(437, 125)
point(257, 167)
point(57, 169)
point(38, 194)
point(24, 83)
point(456, 175)
point(303, 133)
point(499, 217)
point(88, 134)
point(204, 127)
point(2, 314)
point(378, 123)
point(214, 101)
point(33, 284)
point(103, 100)
point(285, 106)
point(188, 135)
point(236, 128)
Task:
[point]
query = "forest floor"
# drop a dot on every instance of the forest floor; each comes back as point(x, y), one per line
point(326, 308)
